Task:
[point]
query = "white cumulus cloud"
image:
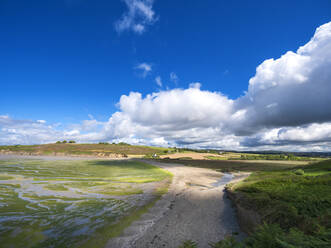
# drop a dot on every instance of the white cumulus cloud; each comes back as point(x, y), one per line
point(286, 107)
point(292, 90)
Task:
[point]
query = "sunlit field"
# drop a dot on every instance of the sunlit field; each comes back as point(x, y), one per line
point(71, 203)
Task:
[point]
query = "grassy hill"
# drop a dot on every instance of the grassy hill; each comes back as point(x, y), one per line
point(101, 150)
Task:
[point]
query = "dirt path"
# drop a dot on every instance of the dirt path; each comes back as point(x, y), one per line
point(195, 208)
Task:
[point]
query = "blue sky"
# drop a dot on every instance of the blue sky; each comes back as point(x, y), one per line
point(67, 61)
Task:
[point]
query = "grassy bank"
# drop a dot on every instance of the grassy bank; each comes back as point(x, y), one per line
point(72, 203)
point(294, 206)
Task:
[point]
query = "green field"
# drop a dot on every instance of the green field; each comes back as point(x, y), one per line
point(72, 203)
point(233, 166)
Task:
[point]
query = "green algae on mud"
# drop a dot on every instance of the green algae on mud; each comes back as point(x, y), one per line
point(69, 203)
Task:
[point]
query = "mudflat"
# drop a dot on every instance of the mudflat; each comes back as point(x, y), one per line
point(71, 203)
point(195, 208)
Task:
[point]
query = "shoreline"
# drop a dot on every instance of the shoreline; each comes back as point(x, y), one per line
point(196, 198)
point(195, 208)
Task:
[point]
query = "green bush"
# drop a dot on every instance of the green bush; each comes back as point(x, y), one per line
point(299, 172)
point(228, 242)
point(266, 236)
point(273, 236)
point(123, 144)
point(61, 142)
point(189, 244)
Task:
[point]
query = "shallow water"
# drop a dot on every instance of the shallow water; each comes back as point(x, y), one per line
point(41, 201)
point(225, 179)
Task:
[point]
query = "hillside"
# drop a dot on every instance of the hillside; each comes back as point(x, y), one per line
point(99, 150)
